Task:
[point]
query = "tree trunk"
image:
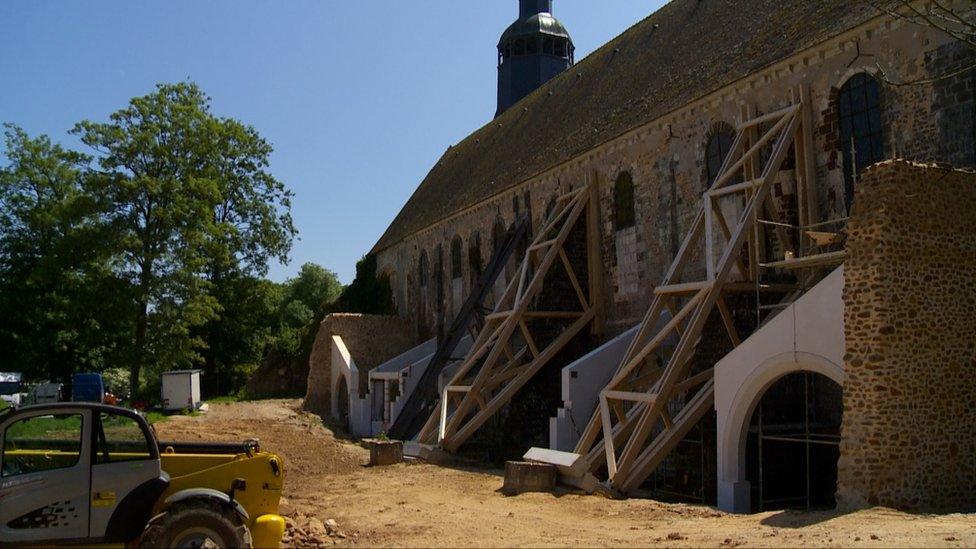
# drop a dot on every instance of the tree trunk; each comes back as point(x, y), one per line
point(142, 322)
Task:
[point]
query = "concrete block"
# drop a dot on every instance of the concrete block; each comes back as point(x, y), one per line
point(385, 452)
point(526, 476)
point(567, 463)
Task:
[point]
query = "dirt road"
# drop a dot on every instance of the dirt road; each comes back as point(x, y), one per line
point(426, 505)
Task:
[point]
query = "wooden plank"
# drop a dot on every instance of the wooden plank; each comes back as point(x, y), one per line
point(723, 309)
point(818, 260)
point(683, 288)
point(732, 189)
point(627, 396)
point(528, 339)
point(572, 278)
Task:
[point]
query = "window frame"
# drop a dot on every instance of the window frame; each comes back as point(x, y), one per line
point(717, 147)
point(858, 106)
point(98, 429)
point(624, 195)
point(457, 258)
point(14, 420)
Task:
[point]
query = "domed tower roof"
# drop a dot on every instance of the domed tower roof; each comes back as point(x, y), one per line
point(531, 51)
point(539, 23)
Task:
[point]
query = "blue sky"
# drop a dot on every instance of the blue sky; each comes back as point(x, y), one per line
point(358, 97)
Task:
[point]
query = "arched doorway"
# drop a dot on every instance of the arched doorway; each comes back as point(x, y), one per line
point(341, 394)
point(792, 443)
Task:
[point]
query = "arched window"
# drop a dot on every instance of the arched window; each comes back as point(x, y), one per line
point(717, 149)
point(475, 265)
point(497, 235)
point(423, 269)
point(623, 202)
point(456, 257)
point(861, 140)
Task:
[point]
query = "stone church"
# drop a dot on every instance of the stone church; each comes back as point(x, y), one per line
point(875, 403)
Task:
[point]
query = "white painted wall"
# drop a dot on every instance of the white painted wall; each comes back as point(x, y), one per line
point(582, 382)
point(806, 336)
point(343, 365)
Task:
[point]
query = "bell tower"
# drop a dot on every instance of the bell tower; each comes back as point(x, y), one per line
point(532, 51)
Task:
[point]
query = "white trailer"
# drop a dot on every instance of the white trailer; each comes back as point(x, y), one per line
point(181, 390)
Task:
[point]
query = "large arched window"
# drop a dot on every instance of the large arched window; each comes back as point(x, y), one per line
point(623, 202)
point(457, 260)
point(861, 139)
point(423, 269)
point(716, 150)
point(475, 264)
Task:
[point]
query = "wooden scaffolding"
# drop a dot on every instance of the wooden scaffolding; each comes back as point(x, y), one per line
point(510, 349)
point(650, 405)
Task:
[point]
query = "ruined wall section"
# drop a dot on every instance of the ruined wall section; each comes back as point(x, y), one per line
point(371, 340)
point(666, 160)
point(909, 427)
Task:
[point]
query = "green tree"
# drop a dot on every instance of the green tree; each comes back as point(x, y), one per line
point(192, 204)
point(60, 302)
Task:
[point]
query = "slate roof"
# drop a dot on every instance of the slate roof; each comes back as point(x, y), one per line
point(684, 51)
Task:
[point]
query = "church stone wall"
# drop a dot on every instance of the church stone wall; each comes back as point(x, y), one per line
point(666, 160)
point(909, 427)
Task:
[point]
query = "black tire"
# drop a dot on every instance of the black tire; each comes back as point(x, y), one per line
point(196, 524)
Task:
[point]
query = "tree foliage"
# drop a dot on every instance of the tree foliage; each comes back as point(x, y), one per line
point(149, 252)
point(192, 204)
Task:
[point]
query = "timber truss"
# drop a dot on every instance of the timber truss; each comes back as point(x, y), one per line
point(660, 392)
point(519, 338)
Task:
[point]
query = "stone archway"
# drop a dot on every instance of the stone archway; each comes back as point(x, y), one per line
point(735, 489)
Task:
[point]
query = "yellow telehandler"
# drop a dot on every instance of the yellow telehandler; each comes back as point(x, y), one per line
point(84, 473)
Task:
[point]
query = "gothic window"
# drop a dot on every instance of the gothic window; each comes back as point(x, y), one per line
point(456, 258)
point(859, 112)
point(623, 202)
point(423, 269)
point(718, 147)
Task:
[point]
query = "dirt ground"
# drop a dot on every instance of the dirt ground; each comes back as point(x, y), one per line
point(332, 498)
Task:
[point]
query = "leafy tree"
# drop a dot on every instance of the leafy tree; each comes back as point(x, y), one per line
point(194, 208)
point(369, 293)
point(60, 303)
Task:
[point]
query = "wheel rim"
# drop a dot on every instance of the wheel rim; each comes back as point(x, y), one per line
point(198, 537)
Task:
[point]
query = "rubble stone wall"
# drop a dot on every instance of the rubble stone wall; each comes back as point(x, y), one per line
point(666, 161)
point(371, 340)
point(909, 427)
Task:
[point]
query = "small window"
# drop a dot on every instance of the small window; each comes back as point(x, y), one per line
point(475, 266)
point(623, 202)
point(531, 45)
point(561, 47)
point(547, 45)
point(456, 257)
point(519, 47)
point(861, 139)
point(42, 443)
point(716, 151)
point(423, 269)
point(120, 438)
point(497, 235)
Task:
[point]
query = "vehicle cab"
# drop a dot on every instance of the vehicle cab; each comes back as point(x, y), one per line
point(74, 472)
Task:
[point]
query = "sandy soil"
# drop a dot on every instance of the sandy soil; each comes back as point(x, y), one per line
point(418, 504)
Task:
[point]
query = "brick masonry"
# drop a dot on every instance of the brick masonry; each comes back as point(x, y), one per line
point(371, 340)
point(909, 427)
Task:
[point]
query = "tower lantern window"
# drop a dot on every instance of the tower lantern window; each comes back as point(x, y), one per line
point(531, 45)
point(561, 47)
point(519, 47)
point(547, 46)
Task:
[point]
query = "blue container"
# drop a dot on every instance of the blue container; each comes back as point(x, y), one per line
point(87, 388)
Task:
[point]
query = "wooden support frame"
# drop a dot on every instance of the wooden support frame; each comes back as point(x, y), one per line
point(637, 424)
point(507, 353)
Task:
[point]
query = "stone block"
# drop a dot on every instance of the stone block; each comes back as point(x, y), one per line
point(525, 476)
point(385, 452)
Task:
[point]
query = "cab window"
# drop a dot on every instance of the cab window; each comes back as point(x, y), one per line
point(42, 443)
point(119, 438)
